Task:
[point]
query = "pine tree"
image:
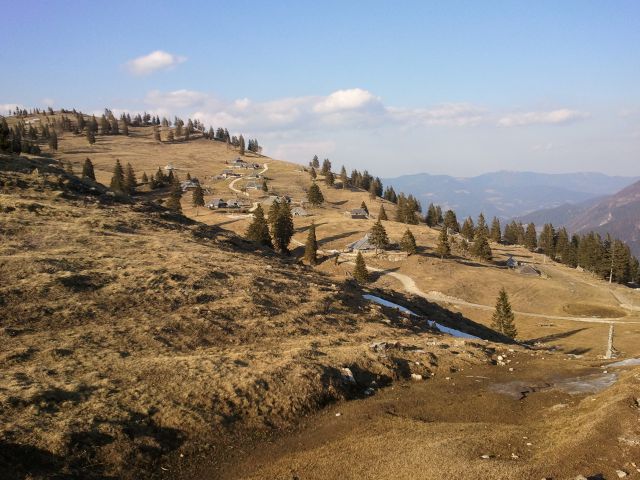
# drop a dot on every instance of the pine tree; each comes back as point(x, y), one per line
point(378, 236)
point(432, 216)
point(130, 181)
point(311, 247)
point(144, 179)
point(53, 141)
point(326, 166)
point(117, 184)
point(258, 230)
point(283, 228)
point(443, 248)
point(242, 147)
point(313, 173)
point(382, 214)
point(481, 247)
point(329, 179)
point(531, 237)
point(314, 195)
point(87, 170)
point(468, 229)
point(496, 230)
point(363, 206)
point(360, 273)
point(173, 203)
point(273, 213)
point(503, 317)
point(344, 178)
point(451, 221)
point(315, 163)
point(198, 198)
point(408, 242)
point(481, 227)
point(91, 137)
point(547, 240)
point(265, 187)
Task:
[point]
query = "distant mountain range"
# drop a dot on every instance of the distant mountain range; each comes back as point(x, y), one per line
point(617, 214)
point(507, 194)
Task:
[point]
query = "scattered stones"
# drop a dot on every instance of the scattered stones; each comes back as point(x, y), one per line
point(511, 369)
point(621, 473)
point(369, 391)
point(485, 457)
point(514, 456)
point(338, 414)
point(581, 477)
point(417, 376)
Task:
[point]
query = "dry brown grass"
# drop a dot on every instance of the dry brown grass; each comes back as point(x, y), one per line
point(130, 334)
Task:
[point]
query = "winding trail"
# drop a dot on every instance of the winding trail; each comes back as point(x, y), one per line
point(233, 182)
point(410, 286)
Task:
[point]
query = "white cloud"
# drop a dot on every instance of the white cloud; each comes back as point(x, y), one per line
point(48, 102)
point(300, 151)
point(5, 108)
point(177, 99)
point(341, 100)
point(158, 60)
point(553, 117)
point(446, 114)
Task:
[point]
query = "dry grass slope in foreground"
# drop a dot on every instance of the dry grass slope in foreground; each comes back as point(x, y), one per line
point(131, 336)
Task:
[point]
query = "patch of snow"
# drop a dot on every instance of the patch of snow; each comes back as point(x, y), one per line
point(450, 331)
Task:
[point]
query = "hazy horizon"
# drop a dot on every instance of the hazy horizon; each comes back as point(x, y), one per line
point(459, 89)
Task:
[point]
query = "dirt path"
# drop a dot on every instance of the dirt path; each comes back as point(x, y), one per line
point(609, 353)
point(410, 286)
point(233, 182)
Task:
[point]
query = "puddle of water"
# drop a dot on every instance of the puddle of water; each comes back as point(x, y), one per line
point(629, 362)
point(450, 331)
point(585, 384)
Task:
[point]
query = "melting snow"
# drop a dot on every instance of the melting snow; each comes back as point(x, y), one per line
point(629, 362)
point(450, 331)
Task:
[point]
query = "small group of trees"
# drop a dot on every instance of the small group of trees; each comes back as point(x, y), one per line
point(123, 181)
point(276, 230)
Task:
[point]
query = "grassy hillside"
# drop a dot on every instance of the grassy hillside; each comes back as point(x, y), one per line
point(132, 336)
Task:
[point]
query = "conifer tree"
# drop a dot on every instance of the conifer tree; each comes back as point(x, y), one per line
point(382, 214)
point(468, 230)
point(283, 228)
point(53, 141)
point(432, 216)
point(258, 230)
point(91, 137)
point(443, 248)
point(130, 181)
point(265, 187)
point(311, 247)
point(273, 213)
point(503, 317)
point(144, 179)
point(451, 221)
point(87, 170)
point(173, 203)
point(481, 247)
point(314, 195)
point(408, 242)
point(496, 230)
point(531, 237)
point(326, 167)
point(344, 178)
point(547, 240)
point(481, 227)
point(313, 173)
point(378, 236)
point(242, 146)
point(198, 198)
point(360, 273)
point(561, 243)
point(363, 206)
point(315, 163)
point(125, 129)
point(329, 179)
point(117, 184)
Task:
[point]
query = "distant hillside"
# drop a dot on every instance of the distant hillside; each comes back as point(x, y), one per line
point(617, 214)
point(507, 194)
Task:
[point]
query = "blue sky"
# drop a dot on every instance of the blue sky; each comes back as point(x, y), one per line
point(441, 87)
